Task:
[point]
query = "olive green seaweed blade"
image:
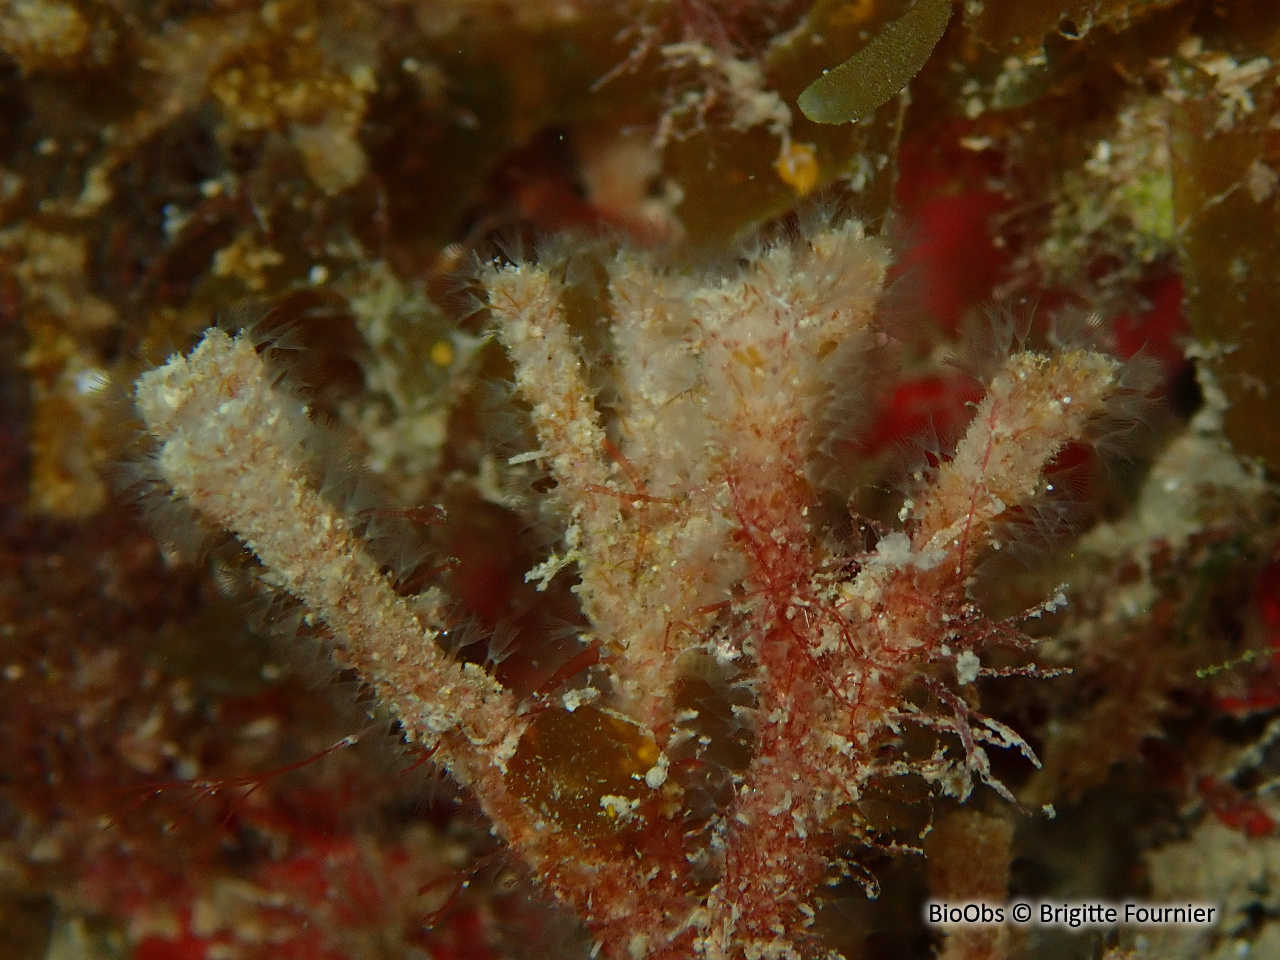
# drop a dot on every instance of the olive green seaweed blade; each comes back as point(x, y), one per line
point(865, 81)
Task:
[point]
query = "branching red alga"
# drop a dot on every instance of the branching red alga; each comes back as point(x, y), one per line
point(689, 511)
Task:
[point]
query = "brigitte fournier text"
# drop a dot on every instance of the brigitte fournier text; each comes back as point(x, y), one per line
point(1047, 913)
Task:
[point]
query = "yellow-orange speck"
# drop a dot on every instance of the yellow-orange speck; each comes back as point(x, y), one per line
point(442, 353)
point(797, 165)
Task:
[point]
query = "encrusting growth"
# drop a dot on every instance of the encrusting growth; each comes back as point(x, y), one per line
point(690, 509)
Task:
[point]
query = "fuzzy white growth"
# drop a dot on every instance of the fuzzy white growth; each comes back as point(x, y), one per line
point(816, 753)
point(1034, 407)
point(549, 375)
point(720, 384)
point(234, 444)
point(687, 514)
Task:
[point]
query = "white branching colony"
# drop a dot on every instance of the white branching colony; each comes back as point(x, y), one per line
point(687, 509)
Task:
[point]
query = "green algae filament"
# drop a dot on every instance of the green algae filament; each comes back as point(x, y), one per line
point(868, 79)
